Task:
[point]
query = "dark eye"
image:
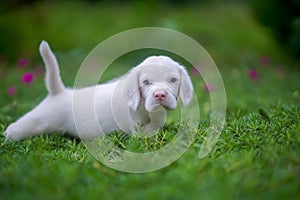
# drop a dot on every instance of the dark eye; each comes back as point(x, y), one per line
point(146, 82)
point(173, 80)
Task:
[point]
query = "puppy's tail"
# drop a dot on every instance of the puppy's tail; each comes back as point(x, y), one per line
point(54, 83)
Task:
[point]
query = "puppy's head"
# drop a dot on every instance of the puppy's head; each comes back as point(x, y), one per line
point(159, 81)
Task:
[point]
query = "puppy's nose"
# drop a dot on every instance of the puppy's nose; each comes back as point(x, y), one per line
point(160, 95)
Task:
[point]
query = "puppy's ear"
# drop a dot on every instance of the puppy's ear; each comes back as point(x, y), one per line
point(185, 88)
point(133, 89)
point(134, 99)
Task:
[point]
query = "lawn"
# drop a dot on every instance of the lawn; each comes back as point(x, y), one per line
point(256, 157)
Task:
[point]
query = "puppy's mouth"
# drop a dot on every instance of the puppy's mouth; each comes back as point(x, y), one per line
point(164, 105)
point(158, 107)
point(166, 102)
point(161, 105)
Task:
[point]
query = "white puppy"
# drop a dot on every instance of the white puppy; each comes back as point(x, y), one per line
point(139, 98)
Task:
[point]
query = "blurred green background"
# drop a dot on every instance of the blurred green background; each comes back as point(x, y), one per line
point(224, 26)
point(242, 37)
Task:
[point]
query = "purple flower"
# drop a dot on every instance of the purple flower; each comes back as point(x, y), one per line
point(27, 77)
point(22, 62)
point(12, 90)
point(265, 60)
point(253, 75)
point(208, 87)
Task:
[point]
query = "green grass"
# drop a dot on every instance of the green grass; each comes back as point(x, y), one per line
point(256, 157)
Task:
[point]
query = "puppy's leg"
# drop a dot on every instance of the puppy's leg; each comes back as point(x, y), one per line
point(45, 118)
point(158, 118)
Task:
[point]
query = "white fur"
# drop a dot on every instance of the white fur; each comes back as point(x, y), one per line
point(140, 97)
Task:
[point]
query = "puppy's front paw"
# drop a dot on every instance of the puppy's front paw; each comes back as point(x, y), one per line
point(13, 132)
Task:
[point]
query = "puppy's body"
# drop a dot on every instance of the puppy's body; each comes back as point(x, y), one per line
point(137, 98)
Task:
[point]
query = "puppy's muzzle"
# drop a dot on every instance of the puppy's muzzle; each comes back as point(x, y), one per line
point(163, 98)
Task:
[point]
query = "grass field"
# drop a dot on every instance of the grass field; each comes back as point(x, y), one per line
point(256, 157)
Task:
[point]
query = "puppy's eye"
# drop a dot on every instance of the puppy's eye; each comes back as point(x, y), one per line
point(146, 82)
point(173, 80)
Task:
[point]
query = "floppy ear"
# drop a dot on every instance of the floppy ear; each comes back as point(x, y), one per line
point(133, 90)
point(185, 87)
